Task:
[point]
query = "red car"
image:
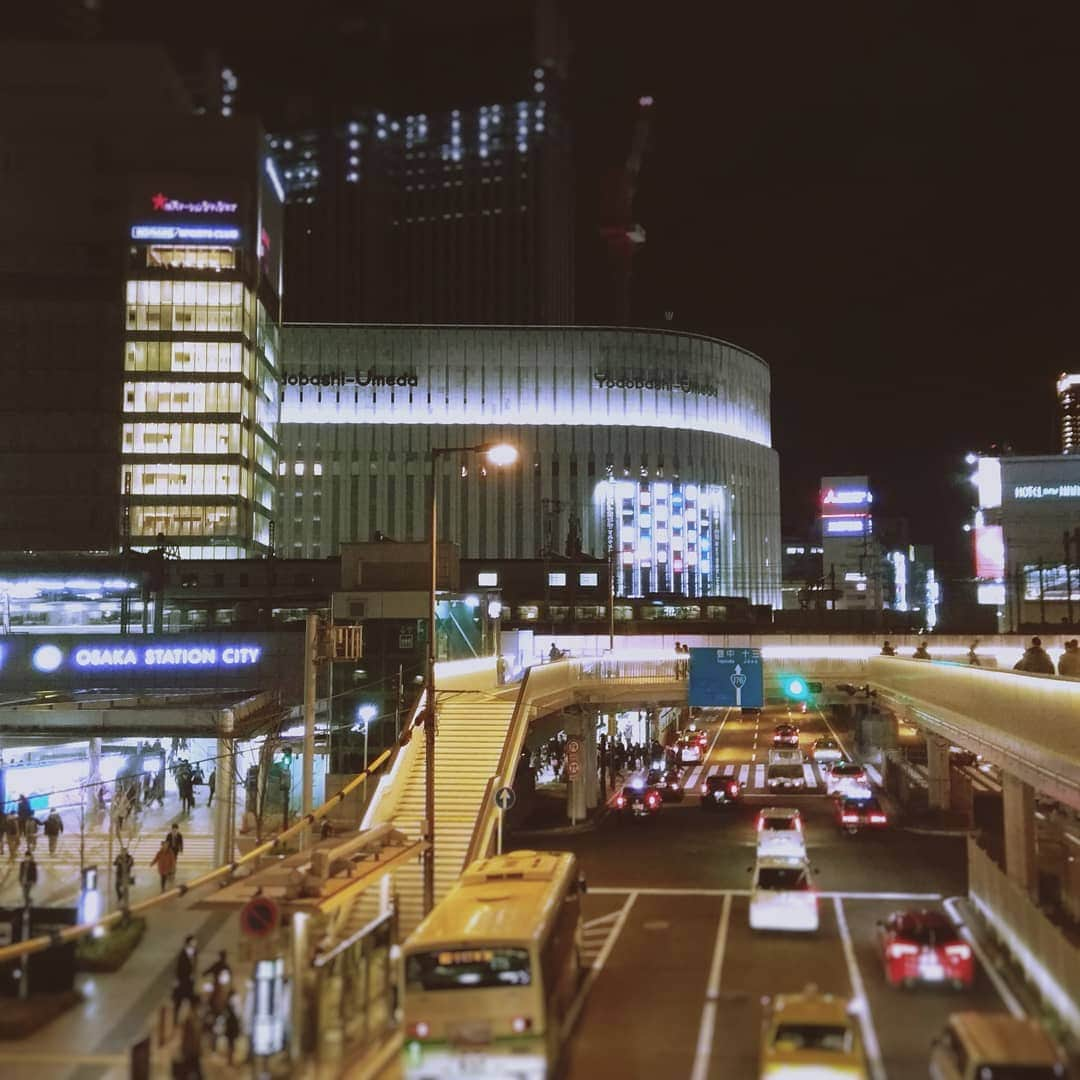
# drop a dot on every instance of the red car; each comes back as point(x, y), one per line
point(785, 735)
point(924, 946)
point(855, 814)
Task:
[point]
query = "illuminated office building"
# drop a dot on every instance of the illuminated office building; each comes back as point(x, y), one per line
point(139, 306)
point(1069, 406)
point(655, 443)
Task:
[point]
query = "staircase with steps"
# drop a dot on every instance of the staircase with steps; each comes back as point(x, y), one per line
point(471, 735)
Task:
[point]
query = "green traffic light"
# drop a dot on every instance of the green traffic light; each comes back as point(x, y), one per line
point(795, 688)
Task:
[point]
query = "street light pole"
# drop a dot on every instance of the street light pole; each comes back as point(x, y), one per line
point(498, 454)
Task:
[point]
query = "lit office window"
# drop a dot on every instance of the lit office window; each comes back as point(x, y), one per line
point(556, 580)
point(589, 578)
point(487, 580)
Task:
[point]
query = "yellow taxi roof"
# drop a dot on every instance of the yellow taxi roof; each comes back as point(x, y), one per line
point(811, 1007)
point(501, 899)
point(999, 1037)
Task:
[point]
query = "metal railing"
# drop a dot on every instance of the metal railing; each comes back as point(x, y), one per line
point(1049, 960)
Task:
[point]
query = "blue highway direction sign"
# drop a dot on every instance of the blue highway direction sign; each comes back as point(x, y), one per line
point(720, 677)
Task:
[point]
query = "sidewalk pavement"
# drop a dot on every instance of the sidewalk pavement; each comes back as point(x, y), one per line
point(58, 875)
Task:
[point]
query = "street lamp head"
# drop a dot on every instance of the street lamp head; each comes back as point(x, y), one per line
point(366, 713)
point(500, 454)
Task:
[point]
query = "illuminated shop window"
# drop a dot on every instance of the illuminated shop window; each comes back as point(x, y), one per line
point(556, 581)
point(191, 258)
point(588, 578)
point(487, 580)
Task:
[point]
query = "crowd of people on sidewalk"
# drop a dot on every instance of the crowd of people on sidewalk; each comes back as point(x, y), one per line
point(206, 1011)
point(23, 826)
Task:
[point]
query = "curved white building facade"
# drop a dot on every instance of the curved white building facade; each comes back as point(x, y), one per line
point(655, 442)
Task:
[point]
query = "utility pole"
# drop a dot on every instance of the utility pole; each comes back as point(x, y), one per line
point(1042, 596)
point(311, 639)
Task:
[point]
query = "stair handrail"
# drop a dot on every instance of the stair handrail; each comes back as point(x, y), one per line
point(381, 807)
point(480, 841)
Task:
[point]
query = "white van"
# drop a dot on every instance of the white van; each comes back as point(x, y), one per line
point(787, 756)
point(781, 896)
point(977, 1045)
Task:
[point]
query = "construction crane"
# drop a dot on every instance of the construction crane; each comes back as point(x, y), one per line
point(622, 235)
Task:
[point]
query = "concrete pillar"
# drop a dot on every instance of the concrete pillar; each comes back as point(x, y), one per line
point(224, 792)
point(590, 763)
point(962, 797)
point(937, 771)
point(1018, 800)
point(94, 757)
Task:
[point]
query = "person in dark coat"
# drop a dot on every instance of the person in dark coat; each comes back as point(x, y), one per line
point(887, 649)
point(211, 784)
point(1036, 660)
point(185, 975)
point(921, 652)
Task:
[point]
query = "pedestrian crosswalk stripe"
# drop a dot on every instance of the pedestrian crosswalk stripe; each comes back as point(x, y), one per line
point(744, 775)
point(729, 770)
point(809, 775)
point(713, 769)
point(695, 776)
point(751, 776)
point(759, 776)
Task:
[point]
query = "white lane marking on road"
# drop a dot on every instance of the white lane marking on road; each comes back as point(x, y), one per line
point(866, 1019)
point(809, 775)
point(622, 890)
point(874, 775)
point(759, 776)
point(712, 994)
point(744, 775)
point(1006, 995)
point(597, 966)
point(601, 920)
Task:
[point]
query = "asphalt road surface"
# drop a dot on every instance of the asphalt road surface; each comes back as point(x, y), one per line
point(678, 977)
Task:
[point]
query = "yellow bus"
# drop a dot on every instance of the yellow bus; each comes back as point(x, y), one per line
point(491, 973)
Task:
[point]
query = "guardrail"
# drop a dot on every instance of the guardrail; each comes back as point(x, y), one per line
point(1028, 725)
point(1048, 958)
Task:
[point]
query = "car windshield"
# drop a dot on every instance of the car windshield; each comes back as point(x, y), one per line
point(468, 969)
point(844, 769)
point(856, 806)
point(926, 933)
point(779, 823)
point(833, 1037)
point(787, 878)
point(826, 744)
point(785, 771)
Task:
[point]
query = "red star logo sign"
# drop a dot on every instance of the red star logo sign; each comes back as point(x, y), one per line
point(159, 201)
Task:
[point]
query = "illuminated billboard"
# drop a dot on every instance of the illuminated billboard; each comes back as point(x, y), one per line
point(989, 552)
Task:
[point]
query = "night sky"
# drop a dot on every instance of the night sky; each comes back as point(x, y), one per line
point(879, 198)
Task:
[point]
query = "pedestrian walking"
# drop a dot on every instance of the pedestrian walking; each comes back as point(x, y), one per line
point(54, 826)
point(921, 651)
point(211, 784)
point(887, 649)
point(1069, 664)
point(123, 863)
point(101, 799)
point(176, 840)
point(973, 656)
point(186, 962)
point(30, 832)
point(165, 861)
point(187, 1064)
point(1036, 660)
point(24, 812)
point(11, 832)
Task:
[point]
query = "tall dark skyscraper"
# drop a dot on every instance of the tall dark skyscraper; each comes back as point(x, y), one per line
point(447, 198)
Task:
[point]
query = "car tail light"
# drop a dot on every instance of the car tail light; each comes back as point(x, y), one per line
point(798, 824)
point(958, 952)
point(878, 819)
point(620, 801)
point(651, 800)
point(760, 822)
point(704, 789)
point(849, 819)
point(733, 787)
point(520, 1024)
point(899, 948)
point(419, 1029)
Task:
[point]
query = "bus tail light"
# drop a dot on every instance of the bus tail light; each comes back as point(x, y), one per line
point(419, 1029)
point(521, 1024)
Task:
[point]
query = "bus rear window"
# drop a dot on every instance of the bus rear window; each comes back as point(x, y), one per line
point(467, 969)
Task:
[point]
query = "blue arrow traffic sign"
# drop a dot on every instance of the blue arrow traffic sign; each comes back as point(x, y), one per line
point(722, 677)
point(505, 798)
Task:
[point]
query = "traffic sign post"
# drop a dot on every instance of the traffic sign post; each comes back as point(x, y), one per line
point(726, 677)
point(573, 771)
point(504, 800)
